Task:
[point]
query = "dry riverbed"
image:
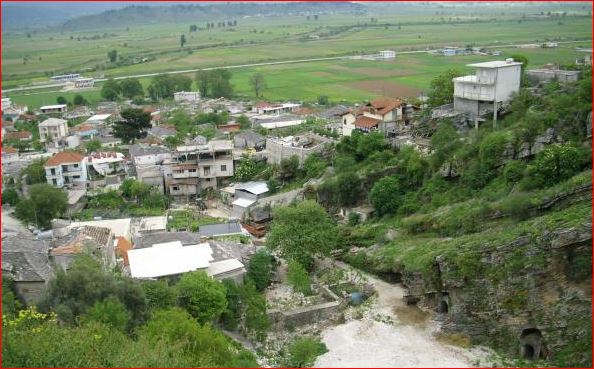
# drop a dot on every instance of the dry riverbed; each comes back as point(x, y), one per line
point(391, 334)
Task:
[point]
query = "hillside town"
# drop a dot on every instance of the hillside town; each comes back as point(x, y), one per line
point(200, 227)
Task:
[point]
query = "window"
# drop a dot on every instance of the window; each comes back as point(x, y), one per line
point(175, 188)
point(223, 168)
point(75, 165)
point(178, 171)
point(192, 170)
point(76, 177)
point(206, 171)
point(344, 121)
point(55, 182)
point(53, 171)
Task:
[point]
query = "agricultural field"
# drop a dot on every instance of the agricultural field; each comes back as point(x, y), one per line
point(30, 56)
point(346, 81)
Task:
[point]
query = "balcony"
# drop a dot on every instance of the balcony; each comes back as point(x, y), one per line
point(475, 80)
point(474, 95)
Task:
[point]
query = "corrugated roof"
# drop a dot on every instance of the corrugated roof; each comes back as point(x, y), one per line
point(64, 157)
point(209, 230)
point(257, 188)
point(244, 203)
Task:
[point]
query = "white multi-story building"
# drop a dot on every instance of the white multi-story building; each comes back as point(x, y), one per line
point(493, 82)
point(66, 167)
point(52, 130)
point(387, 54)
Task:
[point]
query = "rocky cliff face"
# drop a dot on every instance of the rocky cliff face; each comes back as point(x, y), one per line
point(530, 298)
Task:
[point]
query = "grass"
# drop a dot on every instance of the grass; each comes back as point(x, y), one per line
point(189, 220)
point(336, 79)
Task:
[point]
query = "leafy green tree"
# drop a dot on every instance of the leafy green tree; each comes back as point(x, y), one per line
point(557, 163)
point(244, 122)
point(386, 195)
point(173, 141)
point(110, 90)
point(220, 85)
point(10, 303)
point(131, 87)
point(258, 83)
point(441, 90)
point(79, 100)
point(159, 295)
point(201, 296)
point(232, 316)
point(444, 141)
point(303, 351)
point(298, 278)
point(202, 344)
point(203, 82)
point(314, 166)
point(260, 269)
point(72, 293)
point(256, 319)
point(302, 231)
point(492, 148)
point(10, 196)
point(35, 172)
point(323, 100)
point(93, 145)
point(182, 121)
point(245, 170)
point(61, 100)
point(514, 171)
point(135, 125)
point(110, 312)
point(349, 188)
point(44, 204)
point(367, 144)
point(112, 56)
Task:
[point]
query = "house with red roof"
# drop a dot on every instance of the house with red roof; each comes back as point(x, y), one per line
point(66, 167)
point(382, 114)
point(19, 136)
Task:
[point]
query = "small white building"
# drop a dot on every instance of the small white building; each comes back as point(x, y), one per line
point(6, 103)
point(275, 109)
point(66, 77)
point(84, 83)
point(186, 96)
point(387, 54)
point(493, 83)
point(53, 129)
point(66, 167)
point(49, 109)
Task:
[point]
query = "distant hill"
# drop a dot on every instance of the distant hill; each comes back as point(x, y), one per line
point(31, 15)
point(134, 15)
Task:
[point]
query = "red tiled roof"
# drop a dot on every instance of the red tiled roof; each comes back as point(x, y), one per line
point(9, 150)
point(64, 157)
point(262, 104)
point(366, 122)
point(384, 105)
point(21, 135)
point(122, 248)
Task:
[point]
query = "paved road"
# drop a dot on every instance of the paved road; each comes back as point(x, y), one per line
point(25, 88)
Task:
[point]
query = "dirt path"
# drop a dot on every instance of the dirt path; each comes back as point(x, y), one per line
point(403, 337)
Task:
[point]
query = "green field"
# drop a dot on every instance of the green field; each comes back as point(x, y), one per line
point(34, 56)
point(276, 38)
point(407, 76)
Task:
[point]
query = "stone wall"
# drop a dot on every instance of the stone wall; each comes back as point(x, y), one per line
point(309, 314)
point(537, 310)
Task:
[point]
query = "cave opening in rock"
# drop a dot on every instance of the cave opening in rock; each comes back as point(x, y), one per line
point(443, 307)
point(529, 352)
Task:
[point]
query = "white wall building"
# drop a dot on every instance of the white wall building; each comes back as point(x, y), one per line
point(65, 168)
point(387, 54)
point(52, 129)
point(6, 103)
point(186, 96)
point(493, 82)
point(59, 108)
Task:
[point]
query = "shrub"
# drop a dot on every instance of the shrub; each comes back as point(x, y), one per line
point(110, 312)
point(10, 197)
point(517, 206)
point(514, 171)
point(202, 296)
point(298, 278)
point(260, 269)
point(302, 352)
point(354, 218)
point(386, 195)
